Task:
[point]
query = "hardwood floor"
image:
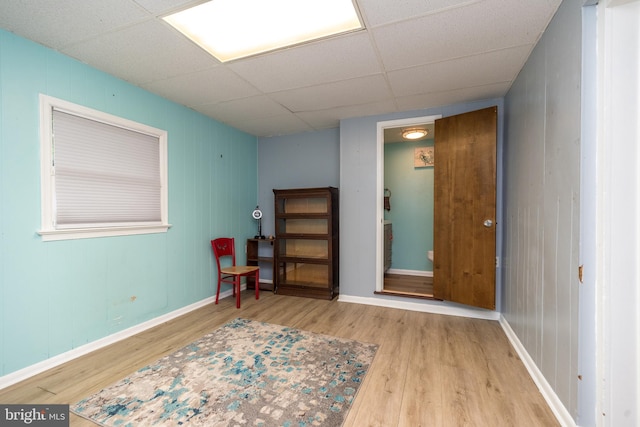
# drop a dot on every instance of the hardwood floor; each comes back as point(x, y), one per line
point(430, 370)
point(421, 286)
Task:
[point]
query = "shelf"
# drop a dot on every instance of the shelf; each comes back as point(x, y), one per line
point(307, 244)
point(302, 260)
point(260, 252)
point(303, 236)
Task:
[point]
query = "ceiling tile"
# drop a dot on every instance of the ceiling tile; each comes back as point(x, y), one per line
point(450, 97)
point(163, 7)
point(383, 12)
point(237, 110)
point(273, 126)
point(347, 92)
point(478, 70)
point(330, 118)
point(67, 21)
point(208, 86)
point(479, 27)
point(143, 53)
point(338, 58)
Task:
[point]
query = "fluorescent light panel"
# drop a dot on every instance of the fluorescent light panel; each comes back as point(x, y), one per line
point(232, 29)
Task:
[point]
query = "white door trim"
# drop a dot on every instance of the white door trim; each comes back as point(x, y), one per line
point(381, 126)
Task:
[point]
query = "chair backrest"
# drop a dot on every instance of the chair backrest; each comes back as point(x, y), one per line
point(222, 247)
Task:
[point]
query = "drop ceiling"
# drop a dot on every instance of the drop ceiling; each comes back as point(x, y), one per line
point(413, 54)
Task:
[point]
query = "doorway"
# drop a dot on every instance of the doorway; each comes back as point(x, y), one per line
point(405, 191)
point(463, 225)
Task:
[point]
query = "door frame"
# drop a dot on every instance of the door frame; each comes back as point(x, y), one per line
point(617, 228)
point(381, 126)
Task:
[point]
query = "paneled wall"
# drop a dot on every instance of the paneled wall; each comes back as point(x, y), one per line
point(542, 203)
point(57, 296)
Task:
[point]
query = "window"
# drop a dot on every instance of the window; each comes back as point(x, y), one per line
point(101, 175)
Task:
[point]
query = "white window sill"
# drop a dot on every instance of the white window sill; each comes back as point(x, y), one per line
point(90, 233)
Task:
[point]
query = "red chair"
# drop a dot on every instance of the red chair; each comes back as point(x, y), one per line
point(225, 247)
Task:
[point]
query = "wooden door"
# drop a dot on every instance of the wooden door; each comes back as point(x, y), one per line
point(465, 208)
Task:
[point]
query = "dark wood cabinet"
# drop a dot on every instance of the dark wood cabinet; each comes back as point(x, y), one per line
point(260, 252)
point(307, 242)
point(388, 238)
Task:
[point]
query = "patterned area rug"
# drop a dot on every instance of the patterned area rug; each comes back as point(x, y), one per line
point(245, 373)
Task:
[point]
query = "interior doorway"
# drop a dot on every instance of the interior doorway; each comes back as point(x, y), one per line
point(403, 267)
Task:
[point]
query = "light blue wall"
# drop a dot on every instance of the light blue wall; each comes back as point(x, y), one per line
point(56, 296)
point(346, 158)
point(303, 160)
point(542, 200)
point(411, 202)
point(312, 159)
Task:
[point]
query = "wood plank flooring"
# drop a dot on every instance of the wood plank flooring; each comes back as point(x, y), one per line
point(430, 370)
point(406, 284)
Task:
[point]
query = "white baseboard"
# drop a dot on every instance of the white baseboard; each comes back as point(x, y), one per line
point(426, 306)
point(29, 371)
point(559, 410)
point(410, 272)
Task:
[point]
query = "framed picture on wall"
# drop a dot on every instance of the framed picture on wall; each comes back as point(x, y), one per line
point(423, 157)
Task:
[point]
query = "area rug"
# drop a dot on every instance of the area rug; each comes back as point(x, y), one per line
point(245, 373)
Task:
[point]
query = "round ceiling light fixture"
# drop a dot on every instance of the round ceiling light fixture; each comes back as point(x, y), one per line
point(414, 133)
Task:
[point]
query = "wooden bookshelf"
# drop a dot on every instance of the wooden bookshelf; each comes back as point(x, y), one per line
point(307, 242)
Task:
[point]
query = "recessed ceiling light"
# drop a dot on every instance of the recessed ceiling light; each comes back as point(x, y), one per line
point(414, 133)
point(232, 29)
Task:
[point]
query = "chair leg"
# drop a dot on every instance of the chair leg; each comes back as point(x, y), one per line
point(218, 291)
point(257, 284)
point(236, 285)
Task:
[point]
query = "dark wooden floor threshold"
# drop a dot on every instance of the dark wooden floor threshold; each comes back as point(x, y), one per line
point(407, 285)
point(407, 295)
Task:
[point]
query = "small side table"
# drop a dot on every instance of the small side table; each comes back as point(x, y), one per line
point(260, 253)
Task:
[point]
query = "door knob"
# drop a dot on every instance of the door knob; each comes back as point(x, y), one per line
point(488, 223)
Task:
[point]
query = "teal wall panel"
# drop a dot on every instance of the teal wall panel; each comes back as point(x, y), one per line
point(411, 202)
point(56, 296)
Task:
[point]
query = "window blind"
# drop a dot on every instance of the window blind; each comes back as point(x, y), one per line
point(104, 174)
